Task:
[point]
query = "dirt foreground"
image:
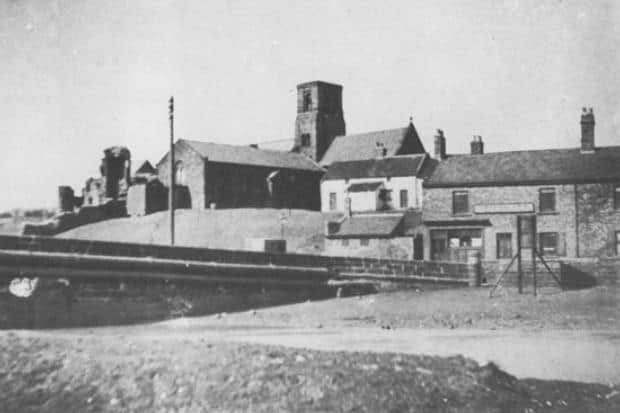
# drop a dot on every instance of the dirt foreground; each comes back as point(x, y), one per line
point(118, 373)
point(355, 354)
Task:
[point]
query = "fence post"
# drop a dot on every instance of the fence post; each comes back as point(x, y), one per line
point(474, 270)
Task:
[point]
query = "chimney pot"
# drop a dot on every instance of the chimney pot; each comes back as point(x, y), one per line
point(477, 146)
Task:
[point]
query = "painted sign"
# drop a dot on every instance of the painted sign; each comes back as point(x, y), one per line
point(508, 208)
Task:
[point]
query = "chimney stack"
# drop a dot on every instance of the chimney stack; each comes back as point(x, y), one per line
point(477, 146)
point(440, 145)
point(587, 130)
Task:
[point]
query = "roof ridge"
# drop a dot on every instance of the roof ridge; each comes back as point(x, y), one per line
point(530, 150)
point(372, 132)
point(385, 158)
point(238, 146)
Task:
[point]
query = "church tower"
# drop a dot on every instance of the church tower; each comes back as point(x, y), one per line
point(319, 118)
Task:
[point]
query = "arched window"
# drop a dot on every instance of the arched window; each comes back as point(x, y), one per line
point(179, 173)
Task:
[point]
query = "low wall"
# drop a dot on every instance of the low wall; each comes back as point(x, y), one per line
point(573, 273)
point(343, 267)
point(402, 270)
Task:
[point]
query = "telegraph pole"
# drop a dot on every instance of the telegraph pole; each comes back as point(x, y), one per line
point(172, 171)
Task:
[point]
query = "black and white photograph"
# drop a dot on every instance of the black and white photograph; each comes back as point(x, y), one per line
point(309, 206)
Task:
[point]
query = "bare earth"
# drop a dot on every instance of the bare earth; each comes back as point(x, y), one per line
point(349, 354)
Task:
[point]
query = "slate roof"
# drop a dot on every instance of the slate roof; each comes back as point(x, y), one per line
point(543, 167)
point(404, 165)
point(364, 145)
point(364, 187)
point(369, 226)
point(246, 155)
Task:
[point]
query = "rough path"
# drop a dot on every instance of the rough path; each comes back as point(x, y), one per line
point(583, 356)
point(561, 355)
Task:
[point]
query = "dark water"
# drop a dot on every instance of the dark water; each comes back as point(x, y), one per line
point(100, 302)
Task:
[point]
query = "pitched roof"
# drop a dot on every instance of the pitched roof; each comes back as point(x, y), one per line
point(364, 145)
point(403, 165)
point(246, 155)
point(364, 187)
point(369, 226)
point(145, 168)
point(543, 167)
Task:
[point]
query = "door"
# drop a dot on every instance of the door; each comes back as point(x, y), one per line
point(418, 247)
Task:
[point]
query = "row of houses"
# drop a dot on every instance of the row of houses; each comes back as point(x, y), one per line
point(386, 196)
point(471, 201)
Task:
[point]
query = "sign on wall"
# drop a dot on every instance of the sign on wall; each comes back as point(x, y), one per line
point(508, 208)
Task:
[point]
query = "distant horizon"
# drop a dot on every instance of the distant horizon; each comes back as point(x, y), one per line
point(83, 76)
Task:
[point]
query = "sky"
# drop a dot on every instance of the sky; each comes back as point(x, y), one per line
point(79, 76)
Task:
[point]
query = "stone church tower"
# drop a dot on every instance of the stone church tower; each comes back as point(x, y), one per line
point(319, 118)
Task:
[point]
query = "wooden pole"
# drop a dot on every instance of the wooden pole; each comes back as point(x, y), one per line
point(519, 269)
point(172, 171)
point(534, 249)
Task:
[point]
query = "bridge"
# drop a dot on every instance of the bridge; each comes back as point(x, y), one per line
point(30, 256)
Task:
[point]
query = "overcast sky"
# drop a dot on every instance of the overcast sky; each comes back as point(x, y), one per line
point(79, 76)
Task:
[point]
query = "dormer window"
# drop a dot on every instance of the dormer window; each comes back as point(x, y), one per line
point(307, 105)
point(305, 139)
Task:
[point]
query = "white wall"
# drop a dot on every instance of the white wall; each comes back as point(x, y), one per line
point(367, 202)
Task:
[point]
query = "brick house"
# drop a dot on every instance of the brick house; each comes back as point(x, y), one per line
point(471, 201)
point(229, 176)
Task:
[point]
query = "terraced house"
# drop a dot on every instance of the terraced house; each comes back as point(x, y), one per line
point(471, 201)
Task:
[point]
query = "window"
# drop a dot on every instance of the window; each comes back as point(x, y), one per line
point(617, 197)
point(454, 244)
point(307, 101)
point(404, 198)
point(547, 200)
point(332, 201)
point(385, 196)
point(460, 202)
point(618, 243)
point(179, 173)
point(548, 243)
point(364, 242)
point(345, 242)
point(504, 245)
point(305, 139)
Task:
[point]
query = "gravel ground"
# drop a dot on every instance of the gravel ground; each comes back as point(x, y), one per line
point(596, 308)
point(122, 374)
